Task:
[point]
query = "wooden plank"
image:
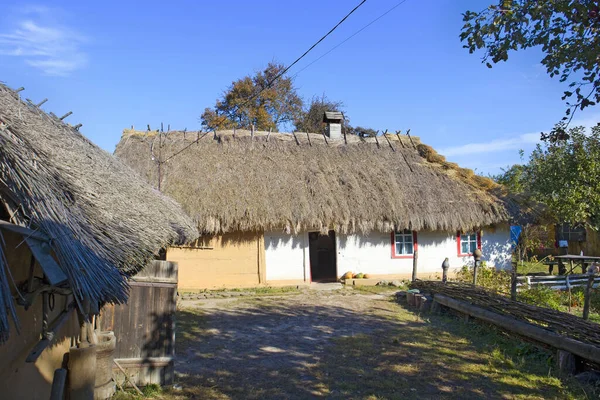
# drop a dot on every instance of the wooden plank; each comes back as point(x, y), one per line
point(25, 232)
point(41, 252)
point(153, 284)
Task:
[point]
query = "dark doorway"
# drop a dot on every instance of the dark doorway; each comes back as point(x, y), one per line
point(321, 250)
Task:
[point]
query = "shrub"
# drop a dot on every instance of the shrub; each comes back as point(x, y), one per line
point(541, 296)
point(487, 277)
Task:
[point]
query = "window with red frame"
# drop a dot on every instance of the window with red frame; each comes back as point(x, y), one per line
point(467, 242)
point(404, 244)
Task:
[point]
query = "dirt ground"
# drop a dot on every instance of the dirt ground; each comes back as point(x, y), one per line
point(348, 344)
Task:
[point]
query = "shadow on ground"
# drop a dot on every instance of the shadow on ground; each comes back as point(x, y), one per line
point(359, 346)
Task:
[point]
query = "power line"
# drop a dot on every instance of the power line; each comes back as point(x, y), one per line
point(351, 36)
point(280, 74)
point(302, 56)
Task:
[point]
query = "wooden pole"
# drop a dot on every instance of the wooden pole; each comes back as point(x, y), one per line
point(58, 384)
point(414, 270)
point(513, 281)
point(475, 273)
point(588, 295)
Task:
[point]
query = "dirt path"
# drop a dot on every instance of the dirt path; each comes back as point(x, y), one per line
point(274, 339)
point(346, 344)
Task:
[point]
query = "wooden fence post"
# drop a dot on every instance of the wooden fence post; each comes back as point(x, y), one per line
point(588, 295)
point(513, 282)
point(414, 271)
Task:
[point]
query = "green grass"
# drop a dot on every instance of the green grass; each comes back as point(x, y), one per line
point(443, 357)
point(151, 391)
point(378, 289)
point(263, 290)
point(528, 267)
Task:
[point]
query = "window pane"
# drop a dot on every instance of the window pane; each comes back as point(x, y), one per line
point(473, 237)
point(473, 246)
point(464, 238)
point(464, 247)
point(404, 243)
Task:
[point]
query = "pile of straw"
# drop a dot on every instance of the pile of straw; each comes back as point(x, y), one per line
point(103, 221)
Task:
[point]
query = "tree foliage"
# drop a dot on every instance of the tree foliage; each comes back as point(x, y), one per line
point(257, 100)
point(269, 103)
point(564, 176)
point(311, 119)
point(513, 178)
point(566, 30)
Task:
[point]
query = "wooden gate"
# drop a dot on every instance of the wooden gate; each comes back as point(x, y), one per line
point(145, 326)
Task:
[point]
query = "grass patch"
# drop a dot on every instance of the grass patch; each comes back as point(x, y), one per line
point(254, 291)
point(378, 289)
point(443, 357)
point(151, 391)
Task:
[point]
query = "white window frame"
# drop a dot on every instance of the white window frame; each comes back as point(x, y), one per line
point(406, 236)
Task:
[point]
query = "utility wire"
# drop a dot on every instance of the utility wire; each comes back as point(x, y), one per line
point(351, 36)
point(279, 75)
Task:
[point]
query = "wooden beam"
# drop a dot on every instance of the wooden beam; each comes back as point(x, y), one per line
point(26, 232)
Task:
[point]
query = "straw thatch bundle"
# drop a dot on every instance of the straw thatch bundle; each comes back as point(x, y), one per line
point(241, 182)
point(103, 221)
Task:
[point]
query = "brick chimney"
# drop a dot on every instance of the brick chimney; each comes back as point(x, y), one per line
point(334, 124)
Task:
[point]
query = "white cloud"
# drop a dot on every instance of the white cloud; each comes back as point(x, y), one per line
point(44, 44)
point(494, 146)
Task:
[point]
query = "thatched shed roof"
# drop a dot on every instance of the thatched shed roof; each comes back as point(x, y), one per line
point(102, 220)
point(242, 181)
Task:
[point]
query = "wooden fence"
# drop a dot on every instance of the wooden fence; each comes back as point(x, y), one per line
point(555, 282)
point(145, 326)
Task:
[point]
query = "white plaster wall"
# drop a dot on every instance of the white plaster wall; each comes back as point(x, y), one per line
point(496, 247)
point(286, 256)
point(372, 253)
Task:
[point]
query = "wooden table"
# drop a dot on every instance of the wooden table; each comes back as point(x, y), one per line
point(572, 259)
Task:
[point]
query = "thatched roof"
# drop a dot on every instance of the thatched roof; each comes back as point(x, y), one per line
point(102, 220)
point(244, 181)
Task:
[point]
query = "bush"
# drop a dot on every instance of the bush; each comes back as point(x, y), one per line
point(541, 296)
point(487, 277)
point(557, 299)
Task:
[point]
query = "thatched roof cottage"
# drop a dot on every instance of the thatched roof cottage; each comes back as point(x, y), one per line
point(288, 208)
point(74, 223)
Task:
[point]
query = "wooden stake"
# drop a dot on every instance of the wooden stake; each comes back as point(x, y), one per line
point(388, 140)
point(308, 137)
point(588, 296)
point(377, 140)
point(399, 138)
point(41, 102)
point(513, 281)
point(325, 137)
point(411, 141)
point(297, 141)
point(19, 89)
point(414, 270)
point(137, 389)
point(66, 115)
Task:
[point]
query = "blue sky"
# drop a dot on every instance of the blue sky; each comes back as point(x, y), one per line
point(118, 64)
